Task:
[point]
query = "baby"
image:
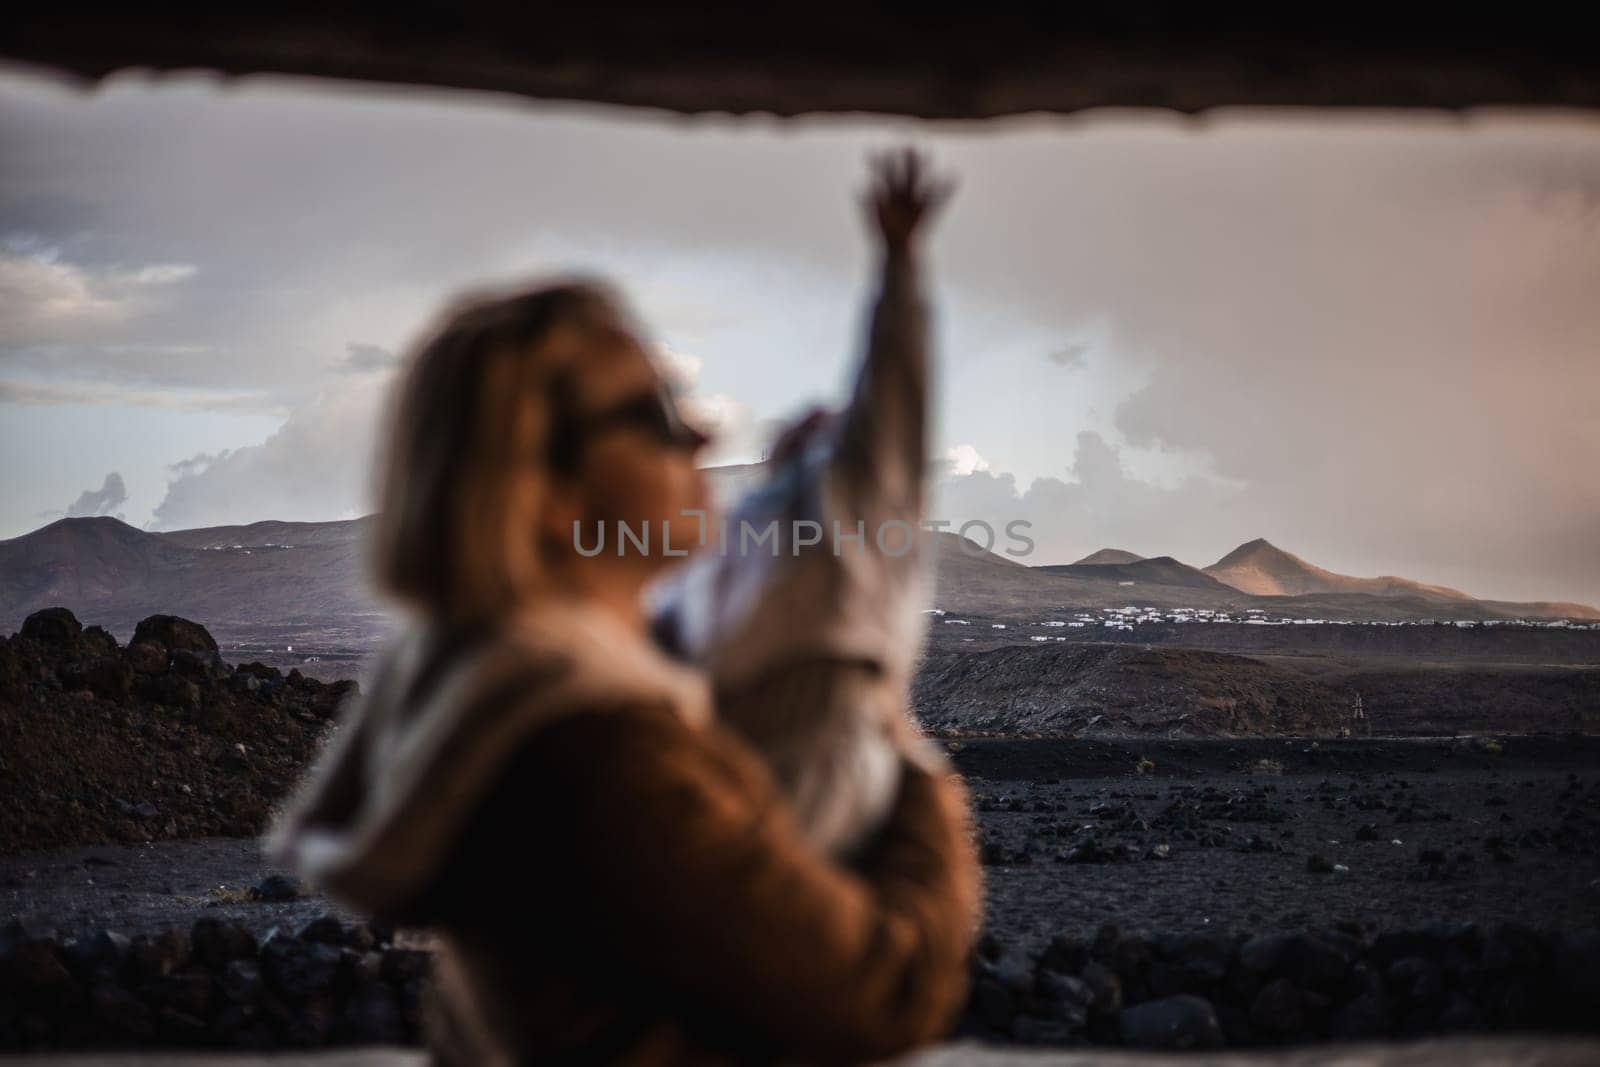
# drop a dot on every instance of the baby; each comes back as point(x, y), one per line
point(806, 607)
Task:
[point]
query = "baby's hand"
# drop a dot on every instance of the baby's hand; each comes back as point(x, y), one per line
point(902, 196)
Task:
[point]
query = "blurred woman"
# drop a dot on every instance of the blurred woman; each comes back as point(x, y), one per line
point(614, 876)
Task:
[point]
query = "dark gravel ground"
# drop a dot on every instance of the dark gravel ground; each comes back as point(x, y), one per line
point(1157, 894)
point(1072, 831)
point(1405, 843)
point(150, 888)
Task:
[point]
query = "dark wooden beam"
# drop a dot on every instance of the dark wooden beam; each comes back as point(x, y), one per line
point(980, 61)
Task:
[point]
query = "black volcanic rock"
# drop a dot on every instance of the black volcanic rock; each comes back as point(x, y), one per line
point(52, 626)
point(173, 634)
point(102, 745)
point(1072, 688)
point(1178, 1022)
point(214, 988)
point(1212, 989)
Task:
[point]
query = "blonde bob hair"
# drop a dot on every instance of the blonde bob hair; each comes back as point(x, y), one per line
point(465, 472)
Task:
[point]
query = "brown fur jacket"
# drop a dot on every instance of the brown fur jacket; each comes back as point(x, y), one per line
point(616, 878)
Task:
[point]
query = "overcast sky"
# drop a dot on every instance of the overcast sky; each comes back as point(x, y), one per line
point(1374, 341)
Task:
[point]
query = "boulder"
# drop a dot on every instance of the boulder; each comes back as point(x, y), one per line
point(96, 641)
point(215, 942)
point(199, 666)
point(259, 670)
point(373, 1016)
point(175, 692)
point(34, 965)
point(173, 633)
point(299, 971)
point(1180, 1022)
point(121, 1012)
point(1107, 988)
point(143, 657)
point(157, 956)
point(241, 981)
point(1280, 1008)
point(110, 678)
point(276, 888)
point(52, 626)
point(1063, 998)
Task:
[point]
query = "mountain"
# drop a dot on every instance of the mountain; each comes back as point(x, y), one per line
point(732, 480)
point(1141, 573)
point(1260, 568)
point(970, 580)
point(265, 578)
point(1107, 556)
point(272, 534)
point(272, 584)
point(91, 561)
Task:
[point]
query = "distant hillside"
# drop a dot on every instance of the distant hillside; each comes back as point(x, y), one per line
point(1107, 556)
point(282, 582)
point(1162, 570)
point(237, 578)
point(970, 580)
point(92, 562)
point(272, 533)
point(731, 480)
point(1260, 568)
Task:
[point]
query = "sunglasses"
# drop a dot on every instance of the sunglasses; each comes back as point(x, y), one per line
point(653, 415)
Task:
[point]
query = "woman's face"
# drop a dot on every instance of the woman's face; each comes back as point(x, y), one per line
point(632, 461)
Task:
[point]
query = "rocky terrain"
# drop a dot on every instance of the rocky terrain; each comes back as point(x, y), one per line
point(1205, 893)
point(1176, 875)
point(1233, 678)
point(1164, 894)
point(1087, 689)
point(215, 983)
point(156, 739)
point(1273, 836)
point(1210, 990)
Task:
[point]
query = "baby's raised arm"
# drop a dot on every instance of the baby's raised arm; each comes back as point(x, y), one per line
point(883, 450)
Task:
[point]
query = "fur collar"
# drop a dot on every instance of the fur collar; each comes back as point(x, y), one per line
point(440, 716)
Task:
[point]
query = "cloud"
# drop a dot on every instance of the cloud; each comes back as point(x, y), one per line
point(43, 296)
point(1070, 356)
point(320, 462)
point(36, 393)
point(162, 274)
point(363, 358)
point(1379, 334)
point(1370, 340)
point(963, 460)
point(1098, 506)
point(111, 494)
point(736, 435)
point(317, 466)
